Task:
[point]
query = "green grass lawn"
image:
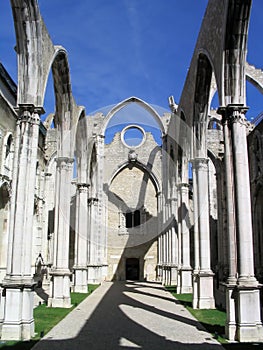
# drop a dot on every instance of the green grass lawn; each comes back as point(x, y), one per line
point(45, 319)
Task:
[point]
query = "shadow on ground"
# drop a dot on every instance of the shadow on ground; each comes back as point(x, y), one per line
point(110, 328)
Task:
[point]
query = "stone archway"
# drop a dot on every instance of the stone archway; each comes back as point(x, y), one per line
point(132, 268)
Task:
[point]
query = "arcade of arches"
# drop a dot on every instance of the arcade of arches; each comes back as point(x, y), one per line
point(170, 203)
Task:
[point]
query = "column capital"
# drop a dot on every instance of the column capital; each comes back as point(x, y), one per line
point(29, 112)
point(29, 107)
point(199, 163)
point(64, 161)
point(233, 113)
point(93, 200)
point(183, 185)
point(82, 187)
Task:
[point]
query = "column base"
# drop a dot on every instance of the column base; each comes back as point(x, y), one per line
point(17, 302)
point(205, 290)
point(94, 274)
point(174, 275)
point(60, 289)
point(186, 280)
point(104, 271)
point(231, 327)
point(80, 280)
point(166, 279)
point(159, 273)
point(249, 326)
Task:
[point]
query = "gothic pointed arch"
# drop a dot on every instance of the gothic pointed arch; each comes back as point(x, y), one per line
point(142, 167)
point(81, 148)
point(125, 103)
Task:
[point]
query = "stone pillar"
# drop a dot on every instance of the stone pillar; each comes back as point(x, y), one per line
point(81, 239)
point(94, 269)
point(230, 327)
point(246, 294)
point(18, 284)
point(186, 270)
point(159, 243)
point(196, 241)
point(174, 238)
point(179, 231)
point(205, 276)
point(60, 273)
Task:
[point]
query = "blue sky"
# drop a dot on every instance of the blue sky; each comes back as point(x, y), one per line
point(123, 48)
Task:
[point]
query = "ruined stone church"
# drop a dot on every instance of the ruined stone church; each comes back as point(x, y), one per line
point(81, 202)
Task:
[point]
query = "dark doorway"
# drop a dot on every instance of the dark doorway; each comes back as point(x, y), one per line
point(132, 269)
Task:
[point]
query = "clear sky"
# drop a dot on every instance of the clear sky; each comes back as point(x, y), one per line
point(123, 48)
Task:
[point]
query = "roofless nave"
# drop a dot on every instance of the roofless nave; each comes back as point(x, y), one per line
point(77, 210)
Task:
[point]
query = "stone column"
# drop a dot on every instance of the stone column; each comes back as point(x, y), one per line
point(247, 298)
point(186, 270)
point(81, 239)
point(231, 230)
point(159, 243)
point(18, 284)
point(205, 277)
point(93, 266)
point(179, 231)
point(174, 238)
point(196, 240)
point(60, 273)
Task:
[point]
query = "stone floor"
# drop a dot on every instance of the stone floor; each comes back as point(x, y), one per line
point(131, 315)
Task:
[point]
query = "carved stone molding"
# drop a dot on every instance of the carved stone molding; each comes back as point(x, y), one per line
point(82, 187)
point(64, 162)
point(200, 163)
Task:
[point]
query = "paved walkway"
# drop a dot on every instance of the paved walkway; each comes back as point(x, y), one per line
point(132, 315)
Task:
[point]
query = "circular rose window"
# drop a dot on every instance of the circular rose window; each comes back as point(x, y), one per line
point(133, 136)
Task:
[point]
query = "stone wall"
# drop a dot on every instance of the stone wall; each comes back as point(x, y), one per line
point(132, 188)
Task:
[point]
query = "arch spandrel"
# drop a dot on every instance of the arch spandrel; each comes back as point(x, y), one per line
point(144, 105)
